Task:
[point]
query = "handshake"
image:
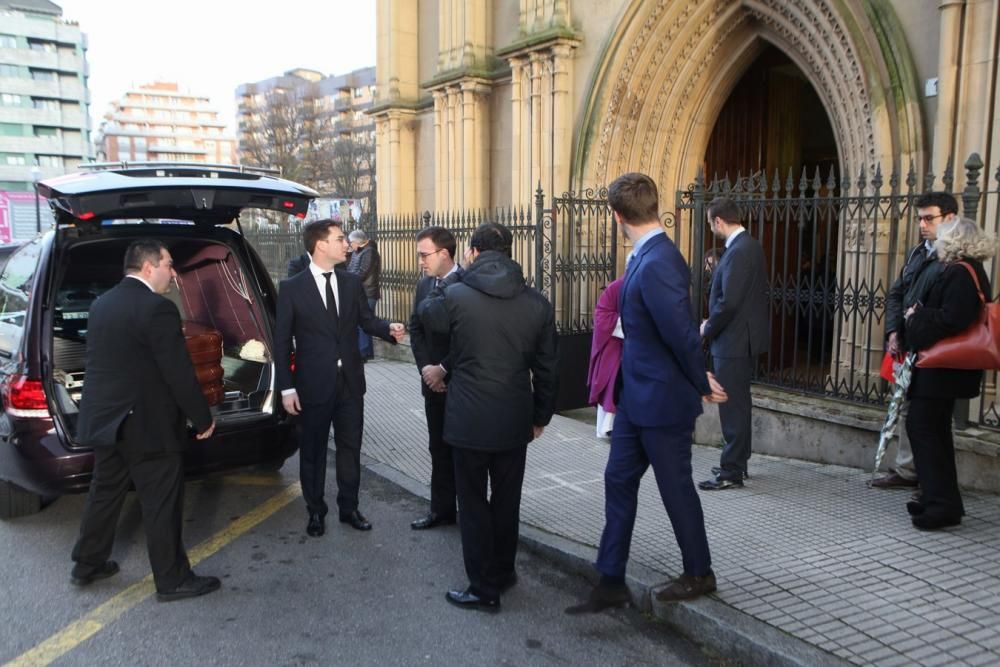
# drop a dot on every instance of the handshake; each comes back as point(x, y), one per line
point(397, 331)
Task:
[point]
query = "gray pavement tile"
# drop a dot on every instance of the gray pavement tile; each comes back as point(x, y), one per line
point(983, 659)
point(892, 660)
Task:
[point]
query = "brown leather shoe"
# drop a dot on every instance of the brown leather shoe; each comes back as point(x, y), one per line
point(686, 587)
point(893, 481)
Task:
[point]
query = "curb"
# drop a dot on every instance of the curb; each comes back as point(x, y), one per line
point(707, 621)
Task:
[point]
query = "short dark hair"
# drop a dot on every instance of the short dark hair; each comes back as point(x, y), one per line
point(492, 236)
point(144, 250)
point(315, 231)
point(440, 237)
point(725, 208)
point(945, 201)
point(634, 197)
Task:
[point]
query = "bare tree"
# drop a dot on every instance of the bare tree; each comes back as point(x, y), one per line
point(280, 131)
point(352, 173)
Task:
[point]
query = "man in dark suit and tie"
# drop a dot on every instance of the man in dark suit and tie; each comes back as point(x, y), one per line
point(436, 250)
point(321, 309)
point(661, 384)
point(140, 387)
point(737, 331)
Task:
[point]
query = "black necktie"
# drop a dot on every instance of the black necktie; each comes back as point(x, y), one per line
point(437, 283)
point(331, 300)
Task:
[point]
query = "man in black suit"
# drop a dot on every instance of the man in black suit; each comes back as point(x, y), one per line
point(501, 395)
point(140, 387)
point(737, 331)
point(436, 250)
point(321, 308)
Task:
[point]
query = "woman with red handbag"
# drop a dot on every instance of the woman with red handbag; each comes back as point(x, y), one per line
point(951, 306)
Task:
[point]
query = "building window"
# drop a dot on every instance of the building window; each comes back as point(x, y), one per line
point(35, 45)
point(8, 42)
point(11, 130)
point(52, 132)
point(50, 161)
point(43, 75)
point(45, 103)
point(15, 159)
point(140, 143)
point(10, 71)
point(123, 145)
point(10, 100)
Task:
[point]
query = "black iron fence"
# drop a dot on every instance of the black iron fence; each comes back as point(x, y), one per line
point(834, 247)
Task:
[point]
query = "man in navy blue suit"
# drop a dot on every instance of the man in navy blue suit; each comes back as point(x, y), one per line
point(660, 387)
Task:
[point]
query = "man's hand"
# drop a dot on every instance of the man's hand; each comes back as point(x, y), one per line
point(538, 431)
point(397, 331)
point(291, 403)
point(433, 375)
point(893, 348)
point(701, 329)
point(718, 394)
point(207, 433)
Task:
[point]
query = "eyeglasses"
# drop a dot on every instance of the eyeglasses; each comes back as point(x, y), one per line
point(425, 255)
point(929, 218)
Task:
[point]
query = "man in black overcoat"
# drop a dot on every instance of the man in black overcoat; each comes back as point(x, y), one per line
point(501, 395)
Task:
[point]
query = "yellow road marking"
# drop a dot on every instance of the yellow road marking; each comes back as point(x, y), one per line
point(248, 480)
point(83, 629)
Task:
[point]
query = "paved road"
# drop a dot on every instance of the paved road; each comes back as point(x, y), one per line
point(346, 599)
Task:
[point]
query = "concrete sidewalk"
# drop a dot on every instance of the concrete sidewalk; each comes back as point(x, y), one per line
point(813, 566)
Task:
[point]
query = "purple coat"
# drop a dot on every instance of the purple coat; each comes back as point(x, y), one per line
point(606, 349)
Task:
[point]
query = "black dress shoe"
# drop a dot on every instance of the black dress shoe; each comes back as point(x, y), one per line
point(716, 470)
point(602, 597)
point(433, 520)
point(191, 587)
point(719, 483)
point(468, 600)
point(915, 507)
point(316, 526)
point(356, 520)
point(109, 569)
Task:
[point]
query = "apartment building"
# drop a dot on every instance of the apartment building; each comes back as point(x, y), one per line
point(340, 105)
point(161, 122)
point(44, 115)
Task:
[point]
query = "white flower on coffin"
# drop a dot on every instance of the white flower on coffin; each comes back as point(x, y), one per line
point(254, 350)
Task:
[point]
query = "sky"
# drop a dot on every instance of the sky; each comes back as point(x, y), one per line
point(210, 47)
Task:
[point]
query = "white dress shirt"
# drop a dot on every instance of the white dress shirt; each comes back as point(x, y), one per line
point(320, 279)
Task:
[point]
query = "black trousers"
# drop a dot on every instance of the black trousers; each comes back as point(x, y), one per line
point(928, 425)
point(489, 522)
point(734, 374)
point(442, 464)
point(347, 415)
point(159, 485)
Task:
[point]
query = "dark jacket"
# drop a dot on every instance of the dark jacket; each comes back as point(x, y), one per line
point(915, 280)
point(367, 263)
point(298, 264)
point(138, 363)
point(950, 306)
point(317, 343)
point(503, 351)
point(428, 347)
point(738, 324)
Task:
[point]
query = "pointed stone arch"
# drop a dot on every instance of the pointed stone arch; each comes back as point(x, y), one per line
point(669, 66)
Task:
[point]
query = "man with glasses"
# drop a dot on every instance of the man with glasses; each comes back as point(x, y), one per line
point(436, 256)
point(918, 274)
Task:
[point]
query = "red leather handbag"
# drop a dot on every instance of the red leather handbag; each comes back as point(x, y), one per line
point(976, 348)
